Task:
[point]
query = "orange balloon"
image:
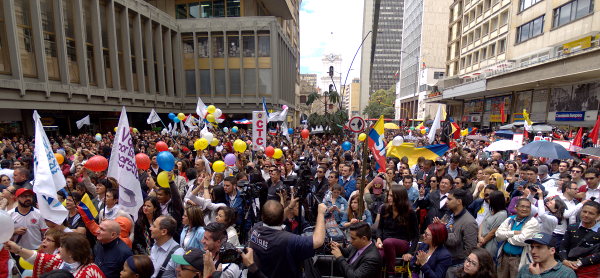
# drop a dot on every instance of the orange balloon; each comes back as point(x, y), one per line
point(59, 158)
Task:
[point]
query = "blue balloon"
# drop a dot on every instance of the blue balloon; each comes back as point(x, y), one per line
point(234, 129)
point(166, 160)
point(346, 146)
point(176, 120)
point(172, 116)
point(290, 131)
point(225, 129)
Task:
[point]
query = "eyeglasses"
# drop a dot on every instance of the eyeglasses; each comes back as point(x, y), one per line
point(588, 178)
point(469, 261)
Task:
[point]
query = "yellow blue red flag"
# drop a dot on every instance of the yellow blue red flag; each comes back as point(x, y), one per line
point(376, 144)
point(413, 153)
point(88, 206)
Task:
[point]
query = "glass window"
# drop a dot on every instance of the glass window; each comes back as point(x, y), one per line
point(206, 8)
point(235, 85)
point(181, 11)
point(205, 82)
point(217, 46)
point(203, 47)
point(530, 29)
point(121, 60)
point(47, 12)
point(194, 9)
point(264, 79)
point(218, 8)
point(248, 45)
point(492, 49)
point(264, 46)
point(503, 18)
point(571, 11)
point(249, 81)
point(220, 82)
point(501, 46)
point(23, 19)
point(524, 4)
point(4, 54)
point(233, 8)
point(190, 82)
point(233, 45)
point(70, 34)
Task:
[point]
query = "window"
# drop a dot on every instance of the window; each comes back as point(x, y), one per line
point(264, 45)
point(492, 50)
point(4, 55)
point(264, 79)
point(47, 12)
point(205, 82)
point(530, 29)
point(235, 85)
point(219, 82)
point(485, 29)
point(501, 46)
point(249, 81)
point(483, 53)
point(504, 18)
point(477, 34)
point(233, 45)
point(23, 19)
point(248, 44)
point(493, 24)
point(207, 9)
point(181, 11)
point(462, 62)
point(438, 75)
point(476, 57)
point(190, 82)
point(203, 46)
point(524, 4)
point(572, 11)
point(217, 46)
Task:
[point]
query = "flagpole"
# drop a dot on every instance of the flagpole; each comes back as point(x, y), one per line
point(361, 202)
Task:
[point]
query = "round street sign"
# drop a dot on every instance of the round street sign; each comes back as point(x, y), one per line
point(356, 124)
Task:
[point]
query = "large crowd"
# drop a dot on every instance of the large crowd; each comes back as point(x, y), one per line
point(468, 213)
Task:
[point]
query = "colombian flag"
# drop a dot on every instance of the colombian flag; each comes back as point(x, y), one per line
point(87, 206)
point(413, 153)
point(455, 133)
point(376, 145)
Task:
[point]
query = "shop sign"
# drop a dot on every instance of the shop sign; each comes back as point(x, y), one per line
point(576, 116)
point(518, 117)
point(497, 118)
point(47, 121)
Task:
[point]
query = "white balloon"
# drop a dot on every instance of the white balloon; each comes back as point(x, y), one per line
point(8, 227)
point(398, 140)
point(218, 113)
point(208, 136)
point(164, 131)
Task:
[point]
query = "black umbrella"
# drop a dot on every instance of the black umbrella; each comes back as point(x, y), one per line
point(546, 149)
point(590, 151)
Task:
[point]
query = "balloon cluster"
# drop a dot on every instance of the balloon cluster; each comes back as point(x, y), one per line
point(276, 153)
point(98, 136)
point(177, 118)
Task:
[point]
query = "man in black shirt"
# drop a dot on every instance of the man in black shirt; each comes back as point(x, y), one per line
point(579, 248)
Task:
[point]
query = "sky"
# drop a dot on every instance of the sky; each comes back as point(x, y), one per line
point(318, 20)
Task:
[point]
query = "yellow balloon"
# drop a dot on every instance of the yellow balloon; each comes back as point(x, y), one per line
point(218, 166)
point(210, 118)
point(116, 128)
point(211, 109)
point(239, 146)
point(135, 130)
point(24, 264)
point(423, 131)
point(163, 179)
point(201, 144)
point(181, 116)
point(362, 137)
point(278, 153)
point(214, 142)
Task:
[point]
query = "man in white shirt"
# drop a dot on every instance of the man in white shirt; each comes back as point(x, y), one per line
point(591, 190)
point(162, 230)
point(29, 222)
point(577, 175)
point(548, 182)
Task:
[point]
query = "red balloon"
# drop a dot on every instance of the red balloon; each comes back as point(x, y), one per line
point(97, 163)
point(269, 151)
point(161, 146)
point(304, 133)
point(142, 161)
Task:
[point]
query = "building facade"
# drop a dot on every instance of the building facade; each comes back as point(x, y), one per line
point(99, 55)
point(354, 98)
point(541, 56)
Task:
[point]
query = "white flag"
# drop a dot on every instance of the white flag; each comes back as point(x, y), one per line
point(122, 167)
point(201, 109)
point(84, 121)
point(170, 128)
point(183, 130)
point(436, 125)
point(153, 118)
point(284, 127)
point(189, 122)
point(48, 177)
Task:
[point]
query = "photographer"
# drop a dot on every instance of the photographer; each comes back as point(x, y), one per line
point(215, 237)
point(279, 253)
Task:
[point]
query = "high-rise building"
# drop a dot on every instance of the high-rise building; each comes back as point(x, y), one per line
point(380, 56)
point(94, 56)
point(354, 97)
point(535, 55)
point(423, 56)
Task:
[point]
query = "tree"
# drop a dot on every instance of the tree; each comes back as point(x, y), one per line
point(381, 102)
point(335, 120)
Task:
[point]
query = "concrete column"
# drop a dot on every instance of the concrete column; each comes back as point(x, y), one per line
point(149, 46)
point(168, 52)
point(196, 70)
point(97, 41)
point(112, 45)
point(126, 48)
point(12, 38)
point(256, 63)
point(160, 62)
point(61, 41)
point(275, 67)
point(178, 65)
point(80, 42)
point(139, 55)
point(38, 41)
point(227, 80)
point(210, 65)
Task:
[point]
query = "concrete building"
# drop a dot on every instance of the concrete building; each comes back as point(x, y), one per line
point(354, 98)
point(80, 56)
point(380, 54)
point(423, 56)
point(308, 85)
point(545, 58)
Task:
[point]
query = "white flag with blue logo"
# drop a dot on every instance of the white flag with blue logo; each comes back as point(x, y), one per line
point(48, 177)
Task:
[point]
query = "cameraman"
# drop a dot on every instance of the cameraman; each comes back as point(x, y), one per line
point(279, 253)
point(215, 236)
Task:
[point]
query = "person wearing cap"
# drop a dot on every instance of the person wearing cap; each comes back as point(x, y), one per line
point(544, 265)
point(189, 264)
point(29, 222)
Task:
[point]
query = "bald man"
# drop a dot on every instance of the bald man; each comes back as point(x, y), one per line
point(110, 251)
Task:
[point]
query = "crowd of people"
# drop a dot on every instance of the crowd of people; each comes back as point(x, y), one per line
point(468, 213)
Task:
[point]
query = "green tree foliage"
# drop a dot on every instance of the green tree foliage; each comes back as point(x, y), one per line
point(381, 102)
point(334, 120)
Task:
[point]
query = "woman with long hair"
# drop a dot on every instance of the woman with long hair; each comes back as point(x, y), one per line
point(489, 225)
point(74, 255)
point(549, 212)
point(142, 241)
point(351, 214)
point(497, 180)
point(193, 229)
point(478, 264)
point(432, 259)
point(137, 266)
point(397, 228)
point(227, 216)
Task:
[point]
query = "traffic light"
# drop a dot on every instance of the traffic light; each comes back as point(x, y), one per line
point(330, 71)
point(331, 88)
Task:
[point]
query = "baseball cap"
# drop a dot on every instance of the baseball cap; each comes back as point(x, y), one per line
point(378, 189)
point(22, 191)
point(542, 238)
point(193, 257)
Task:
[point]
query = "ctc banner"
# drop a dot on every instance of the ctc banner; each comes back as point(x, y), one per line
point(259, 130)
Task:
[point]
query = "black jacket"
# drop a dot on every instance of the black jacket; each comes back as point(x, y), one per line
point(111, 256)
point(474, 207)
point(368, 264)
point(434, 209)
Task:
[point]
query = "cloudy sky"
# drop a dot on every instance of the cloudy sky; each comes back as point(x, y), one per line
point(318, 20)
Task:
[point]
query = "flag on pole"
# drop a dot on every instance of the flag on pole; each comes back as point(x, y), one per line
point(376, 144)
point(82, 122)
point(265, 107)
point(122, 167)
point(183, 130)
point(153, 118)
point(578, 141)
point(594, 133)
point(48, 177)
point(284, 128)
point(436, 125)
point(170, 129)
point(527, 124)
point(201, 109)
point(190, 122)
point(502, 113)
